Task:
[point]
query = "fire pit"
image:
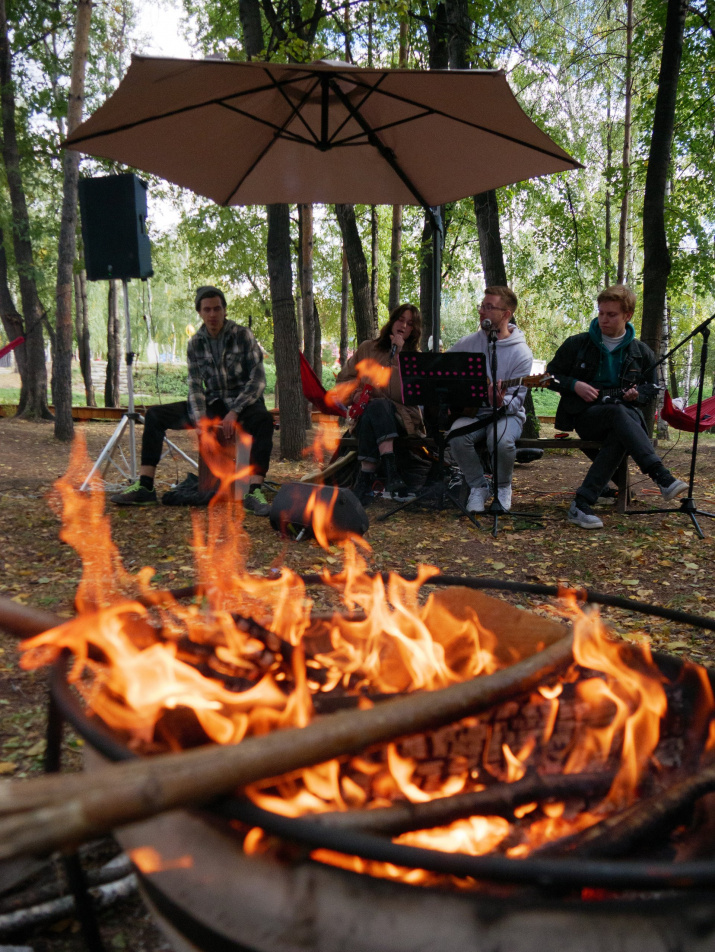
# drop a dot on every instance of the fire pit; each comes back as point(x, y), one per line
point(208, 894)
point(487, 781)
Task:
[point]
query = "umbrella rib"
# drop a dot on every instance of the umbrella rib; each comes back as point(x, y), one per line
point(297, 107)
point(374, 140)
point(328, 81)
point(431, 110)
point(279, 131)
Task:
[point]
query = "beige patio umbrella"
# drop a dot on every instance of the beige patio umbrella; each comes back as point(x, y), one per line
point(263, 133)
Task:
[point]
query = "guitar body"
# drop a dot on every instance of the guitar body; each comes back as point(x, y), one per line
point(357, 407)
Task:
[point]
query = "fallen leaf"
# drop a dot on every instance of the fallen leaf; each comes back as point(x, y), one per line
point(7, 767)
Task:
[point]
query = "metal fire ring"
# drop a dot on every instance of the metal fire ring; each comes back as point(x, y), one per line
point(566, 873)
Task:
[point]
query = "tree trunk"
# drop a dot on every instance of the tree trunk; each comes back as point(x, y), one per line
point(62, 364)
point(626, 163)
point(317, 344)
point(82, 333)
point(608, 241)
point(374, 259)
point(365, 323)
point(344, 308)
point(672, 376)
point(426, 284)
point(305, 219)
point(11, 319)
point(111, 383)
point(486, 210)
point(34, 383)
point(285, 332)
point(656, 256)
point(249, 14)
point(395, 259)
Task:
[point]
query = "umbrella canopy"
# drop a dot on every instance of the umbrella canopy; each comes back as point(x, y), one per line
point(263, 133)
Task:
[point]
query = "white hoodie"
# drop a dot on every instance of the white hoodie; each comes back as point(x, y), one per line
point(514, 359)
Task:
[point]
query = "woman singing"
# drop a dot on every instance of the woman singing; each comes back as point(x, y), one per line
point(384, 416)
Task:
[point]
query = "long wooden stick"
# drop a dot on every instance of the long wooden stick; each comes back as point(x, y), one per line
point(654, 816)
point(23, 621)
point(499, 800)
point(62, 811)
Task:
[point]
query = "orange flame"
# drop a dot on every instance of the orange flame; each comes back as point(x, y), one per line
point(149, 860)
point(136, 652)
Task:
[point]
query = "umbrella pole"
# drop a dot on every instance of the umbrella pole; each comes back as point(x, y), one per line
point(435, 215)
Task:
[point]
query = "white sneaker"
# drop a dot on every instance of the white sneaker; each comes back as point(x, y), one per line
point(477, 499)
point(504, 497)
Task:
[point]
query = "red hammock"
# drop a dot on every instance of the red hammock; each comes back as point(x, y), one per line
point(685, 419)
point(11, 346)
point(315, 392)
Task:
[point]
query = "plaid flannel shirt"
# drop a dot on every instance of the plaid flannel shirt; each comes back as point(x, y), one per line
point(239, 380)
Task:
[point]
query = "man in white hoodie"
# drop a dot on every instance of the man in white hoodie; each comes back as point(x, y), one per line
point(514, 361)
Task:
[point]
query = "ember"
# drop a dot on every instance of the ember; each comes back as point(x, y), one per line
point(248, 657)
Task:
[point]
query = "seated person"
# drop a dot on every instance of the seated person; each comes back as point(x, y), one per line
point(609, 355)
point(385, 416)
point(513, 361)
point(226, 383)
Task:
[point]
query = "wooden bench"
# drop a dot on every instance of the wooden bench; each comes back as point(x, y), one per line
point(620, 477)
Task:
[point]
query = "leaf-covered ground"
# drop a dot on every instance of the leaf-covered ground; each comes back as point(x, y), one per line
point(653, 558)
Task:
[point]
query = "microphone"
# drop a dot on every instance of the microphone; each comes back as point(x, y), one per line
point(393, 351)
point(486, 325)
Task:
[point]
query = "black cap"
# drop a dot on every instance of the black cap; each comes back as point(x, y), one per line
point(208, 291)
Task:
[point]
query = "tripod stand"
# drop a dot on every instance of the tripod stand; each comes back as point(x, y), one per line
point(441, 379)
point(687, 504)
point(126, 468)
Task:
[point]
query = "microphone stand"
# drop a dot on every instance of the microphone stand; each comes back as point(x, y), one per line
point(687, 503)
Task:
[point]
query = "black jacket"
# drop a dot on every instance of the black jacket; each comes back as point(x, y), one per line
point(578, 358)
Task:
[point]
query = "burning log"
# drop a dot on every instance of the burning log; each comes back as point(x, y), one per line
point(53, 812)
point(623, 832)
point(499, 800)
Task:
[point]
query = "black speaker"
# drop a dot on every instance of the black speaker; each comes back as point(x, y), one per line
point(116, 244)
point(291, 513)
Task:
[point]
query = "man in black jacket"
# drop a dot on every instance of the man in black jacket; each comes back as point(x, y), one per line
point(605, 377)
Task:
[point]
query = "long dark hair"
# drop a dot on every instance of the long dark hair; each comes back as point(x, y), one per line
point(412, 342)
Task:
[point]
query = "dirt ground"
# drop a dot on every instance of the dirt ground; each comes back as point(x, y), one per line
point(655, 558)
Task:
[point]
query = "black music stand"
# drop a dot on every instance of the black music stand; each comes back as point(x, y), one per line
point(687, 504)
point(441, 380)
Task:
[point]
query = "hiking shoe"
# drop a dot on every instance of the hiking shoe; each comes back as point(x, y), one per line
point(670, 487)
point(477, 499)
point(134, 495)
point(504, 497)
point(256, 503)
point(582, 515)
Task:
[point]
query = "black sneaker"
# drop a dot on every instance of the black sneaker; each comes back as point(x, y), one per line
point(135, 495)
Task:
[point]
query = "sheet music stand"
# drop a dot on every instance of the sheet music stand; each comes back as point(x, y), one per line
point(441, 379)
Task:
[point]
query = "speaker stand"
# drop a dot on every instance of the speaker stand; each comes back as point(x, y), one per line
point(127, 467)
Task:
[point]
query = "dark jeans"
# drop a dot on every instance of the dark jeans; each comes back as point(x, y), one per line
point(621, 430)
point(255, 420)
point(379, 422)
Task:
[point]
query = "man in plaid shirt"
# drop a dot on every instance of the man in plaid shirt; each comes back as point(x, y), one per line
point(226, 383)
